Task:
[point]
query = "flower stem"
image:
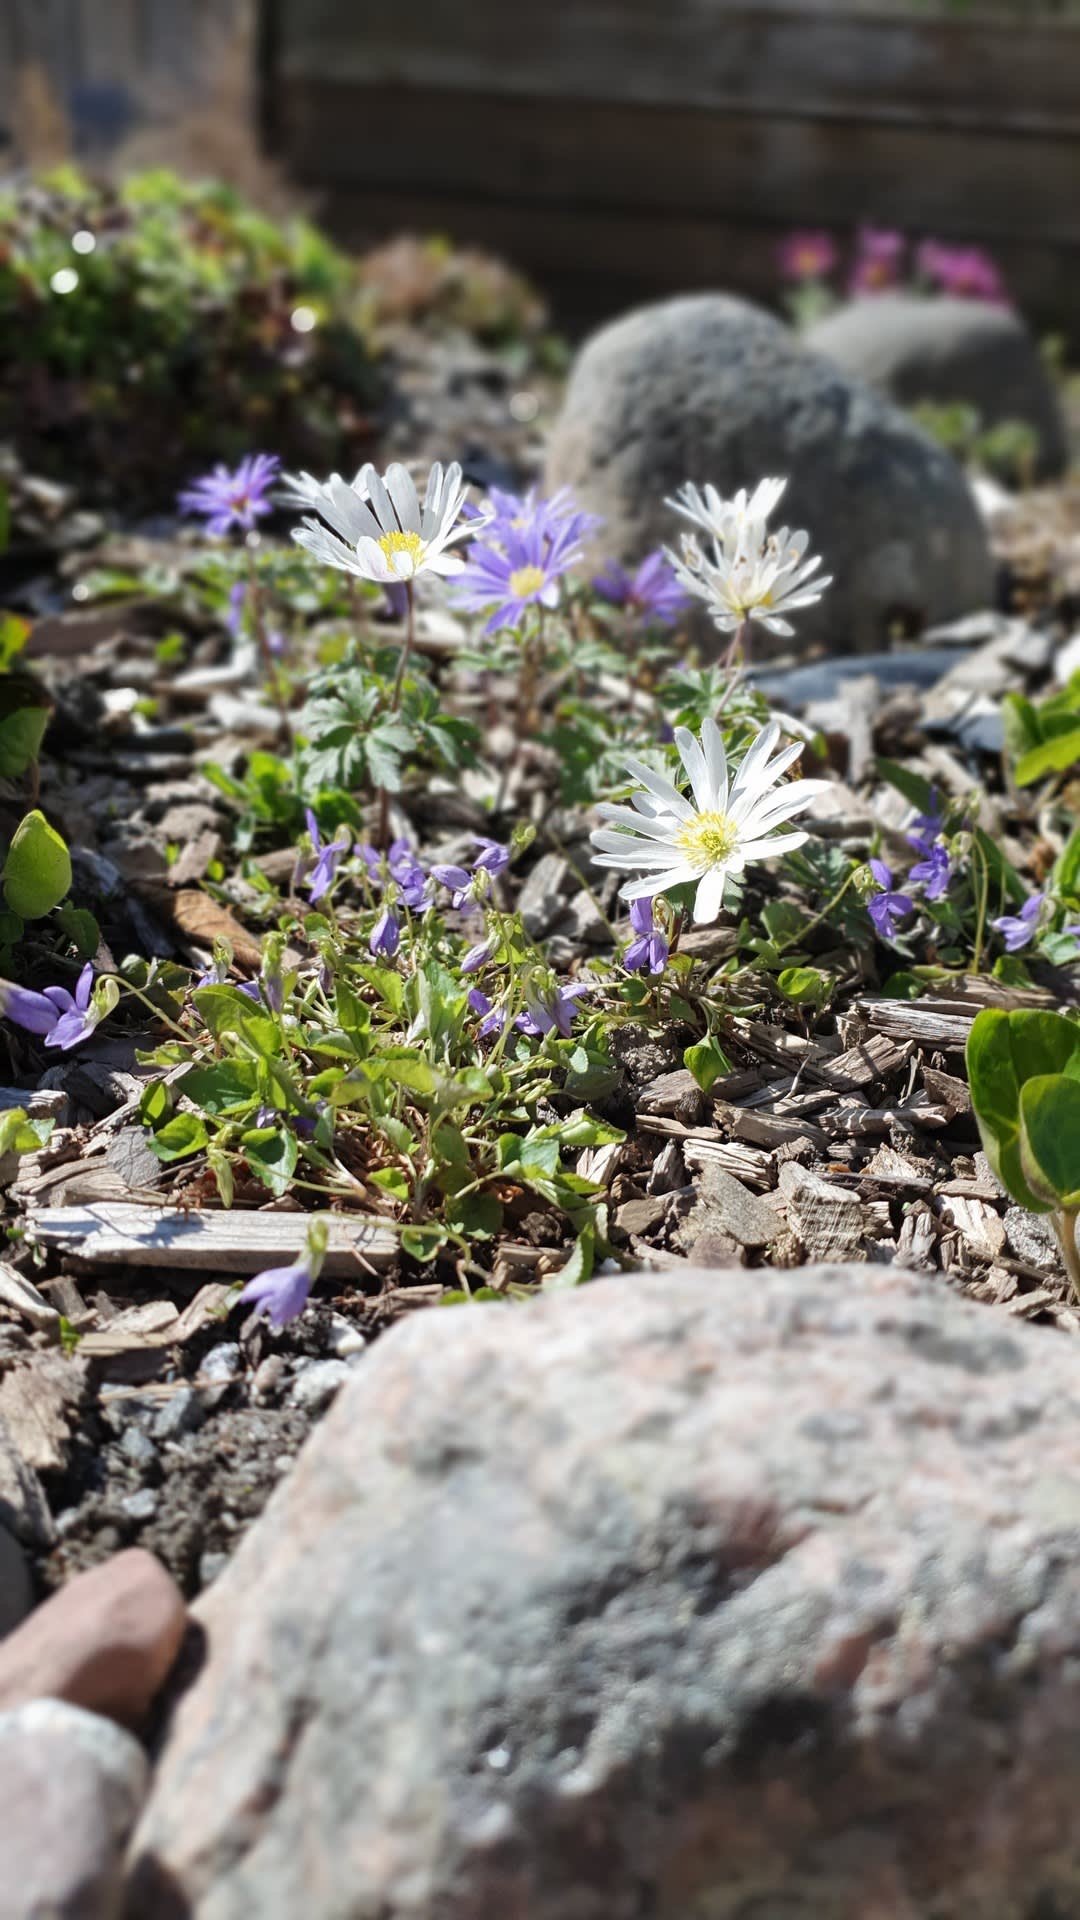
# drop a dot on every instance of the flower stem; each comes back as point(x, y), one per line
point(1065, 1228)
point(383, 838)
point(739, 650)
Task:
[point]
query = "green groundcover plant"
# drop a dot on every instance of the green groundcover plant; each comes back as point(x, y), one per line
point(1024, 1069)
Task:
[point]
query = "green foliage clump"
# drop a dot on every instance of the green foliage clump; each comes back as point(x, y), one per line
point(1024, 1069)
point(175, 345)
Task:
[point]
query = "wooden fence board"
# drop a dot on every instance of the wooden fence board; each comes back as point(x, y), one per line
point(691, 163)
point(697, 53)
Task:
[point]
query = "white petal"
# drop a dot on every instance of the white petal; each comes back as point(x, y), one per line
point(765, 849)
point(712, 741)
point(328, 549)
point(444, 563)
point(750, 769)
point(657, 827)
point(637, 854)
point(381, 504)
point(694, 761)
point(403, 497)
point(374, 561)
point(710, 895)
point(342, 510)
point(662, 788)
point(656, 883)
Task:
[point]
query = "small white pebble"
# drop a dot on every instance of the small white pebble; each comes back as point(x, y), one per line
point(524, 406)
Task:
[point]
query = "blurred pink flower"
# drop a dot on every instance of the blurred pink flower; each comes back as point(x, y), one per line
point(808, 256)
point(966, 272)
point(879, 257)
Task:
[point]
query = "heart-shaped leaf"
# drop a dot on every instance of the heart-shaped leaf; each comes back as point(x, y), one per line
point(1050, 1138)
point(1004, 1051)
point(37, 873)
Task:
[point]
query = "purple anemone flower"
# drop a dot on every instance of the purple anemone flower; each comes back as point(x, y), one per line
point(652, 592)
point(280, 1292)
point(649, 952)
point(1018, 929)
point(934, 873)
point(236, 497)
point(521, 516)
point(526, 572)
point(327, 857)
point(887, 907)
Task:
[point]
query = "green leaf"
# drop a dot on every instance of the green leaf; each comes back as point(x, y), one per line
point(1052, 756)
point(575, 1271)
point(1004, 1050)
point(21, 735)
point(916, 791)
point(804, 986)
point(1050, 1138)
point(223, 1088)
point(81, 929)
point(392, 1181)
point(1065, 878)
point(706, 1061)
point(1021, 722)
point(478, 1216)
point(271, 1153)
point(20, 1134)
point(38, 870)
point(423, 1243)
point(181, 1136)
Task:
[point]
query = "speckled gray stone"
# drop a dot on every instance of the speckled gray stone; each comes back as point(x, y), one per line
point(70, 1785)
point(944, 350)
point(693, 1596)
point(709, 388)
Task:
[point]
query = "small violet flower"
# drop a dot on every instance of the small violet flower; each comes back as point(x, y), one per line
point(327, 857)
point(478, 956)
point(935, 872)
point(649, 952)
point(61, 1018)
point(653, 592)
point(550, 1011)
point(281, 1293)
point(385, 935)
point(887, 907)
point(494, 1018)
point(233, 498)
point(1018, 929)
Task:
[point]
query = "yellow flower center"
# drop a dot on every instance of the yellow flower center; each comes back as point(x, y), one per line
point(404, 552)
point(526, 580)
point(711, 837)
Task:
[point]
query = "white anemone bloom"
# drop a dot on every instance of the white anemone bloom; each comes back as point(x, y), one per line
point(727, 520)
point(713, 832)
point(751, 574)
point(378, 528)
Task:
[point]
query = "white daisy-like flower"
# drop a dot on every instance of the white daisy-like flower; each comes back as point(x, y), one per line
point(378, 528)
point(673, 838)
point(727, 520)
point(751, 574)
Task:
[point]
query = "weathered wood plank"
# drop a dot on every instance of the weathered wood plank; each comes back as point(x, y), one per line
point(120, 1232)
point(717, 54)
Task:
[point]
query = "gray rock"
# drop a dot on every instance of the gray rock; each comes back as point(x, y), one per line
point(23, 1507)
point(679, 1596)
point(71, 1785)
point(709, 388)
point(946, 350)
point(316, 1386)
point(181, 1413)
point(16, 1586)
